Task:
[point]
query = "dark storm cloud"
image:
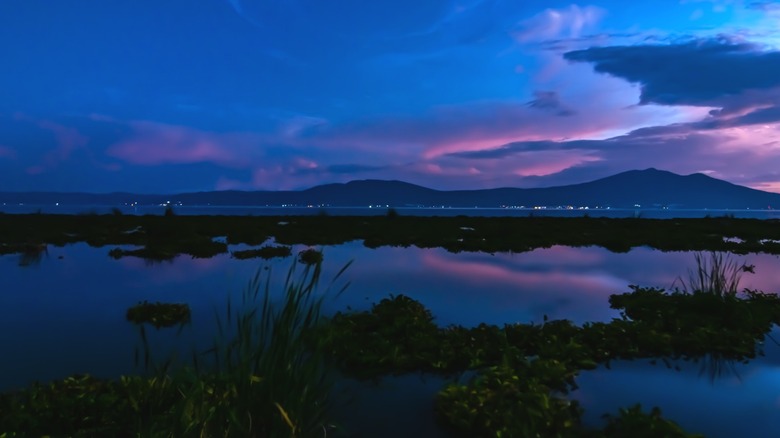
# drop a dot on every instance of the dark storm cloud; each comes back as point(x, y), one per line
point(699, 72)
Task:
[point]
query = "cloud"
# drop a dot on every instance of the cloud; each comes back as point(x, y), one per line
point(517, 147)
point(549, 24)
point(68, 139)
point(549, 101)
point(737, 153)
point(477, 126)
point(701, 72)
point(153, 143)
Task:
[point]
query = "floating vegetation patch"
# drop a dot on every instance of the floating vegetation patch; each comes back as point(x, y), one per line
point(310, 256)
point(159, 314)
point(518, 400)
point(164, 251)
point(266, 252)
point(634, 422)
point(522, 372)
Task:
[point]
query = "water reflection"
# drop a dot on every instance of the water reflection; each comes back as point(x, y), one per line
point(742, 402)
point(64, 313)
point(716, 367)
point(32, 254)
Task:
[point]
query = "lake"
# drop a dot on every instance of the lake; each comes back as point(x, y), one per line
point(66, 314)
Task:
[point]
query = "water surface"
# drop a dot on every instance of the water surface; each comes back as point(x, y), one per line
point(65, 315)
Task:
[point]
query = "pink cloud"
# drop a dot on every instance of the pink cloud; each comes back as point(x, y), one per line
point(68, 139)
point(155, 143)
point(541, 163)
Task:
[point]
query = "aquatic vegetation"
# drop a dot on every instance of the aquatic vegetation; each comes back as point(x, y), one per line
point(633, 422)
point(75, 406)
point(266, 252)
point(264, 376)
point(522, 372)
point(166, 236)
point(679, 324)
point(159, 314)
point(163, 251)
point(511, 401)
point(716, 274)
point(268, 372)
point(310, 256)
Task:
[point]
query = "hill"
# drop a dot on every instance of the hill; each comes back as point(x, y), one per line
point(647, 188)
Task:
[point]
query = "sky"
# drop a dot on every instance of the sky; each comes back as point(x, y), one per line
point(177, 95)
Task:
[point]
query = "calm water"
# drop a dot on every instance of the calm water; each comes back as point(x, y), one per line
point(65, 315)
point(410, 211)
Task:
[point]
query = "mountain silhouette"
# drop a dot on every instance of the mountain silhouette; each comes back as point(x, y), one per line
point(647, 188)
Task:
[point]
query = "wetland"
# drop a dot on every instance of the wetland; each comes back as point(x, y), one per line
point(462, 326)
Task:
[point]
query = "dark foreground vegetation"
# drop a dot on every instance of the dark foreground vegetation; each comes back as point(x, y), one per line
point(165, 237)
point(270, 370)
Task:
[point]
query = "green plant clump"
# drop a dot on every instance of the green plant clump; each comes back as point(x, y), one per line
point(516, 401)
point(310, 256)
point(633, 422)
point(523, 371)
point(159, 314)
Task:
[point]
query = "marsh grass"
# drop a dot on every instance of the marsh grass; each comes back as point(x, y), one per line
point(715, 273)
point(265, 375)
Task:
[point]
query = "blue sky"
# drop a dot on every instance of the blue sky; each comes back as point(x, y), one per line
point(178, 95)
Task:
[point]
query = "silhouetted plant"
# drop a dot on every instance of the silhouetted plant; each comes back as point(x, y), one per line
point(310, 256)
point(715, 274)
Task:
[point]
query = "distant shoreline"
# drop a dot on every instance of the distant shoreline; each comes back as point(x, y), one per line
point(379, 210)
point(164, 237)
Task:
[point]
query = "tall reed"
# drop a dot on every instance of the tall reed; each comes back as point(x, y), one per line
point(716, 273)
point(265, 375)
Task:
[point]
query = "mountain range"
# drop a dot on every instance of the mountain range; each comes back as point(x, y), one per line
point(646, 188)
